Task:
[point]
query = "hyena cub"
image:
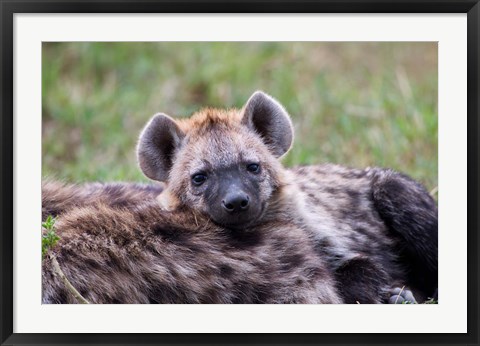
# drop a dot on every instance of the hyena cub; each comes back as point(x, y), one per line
point(376, 228)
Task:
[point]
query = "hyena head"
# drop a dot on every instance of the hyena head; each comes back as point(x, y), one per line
point(222, 163)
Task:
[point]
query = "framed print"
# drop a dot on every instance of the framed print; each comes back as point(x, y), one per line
point(239, 173)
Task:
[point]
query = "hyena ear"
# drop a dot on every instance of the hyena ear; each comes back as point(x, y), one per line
point(156, 146)
point(270, 120)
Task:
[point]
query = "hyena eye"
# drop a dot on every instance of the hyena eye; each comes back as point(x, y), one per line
point(253, 167)
point(199, 179)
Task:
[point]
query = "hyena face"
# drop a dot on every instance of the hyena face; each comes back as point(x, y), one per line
point(226, 173)
point(220, 163)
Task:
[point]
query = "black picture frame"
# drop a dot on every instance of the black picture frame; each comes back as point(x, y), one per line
point(9, 8)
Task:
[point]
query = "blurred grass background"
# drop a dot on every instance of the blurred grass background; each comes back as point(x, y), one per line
point(357, 104)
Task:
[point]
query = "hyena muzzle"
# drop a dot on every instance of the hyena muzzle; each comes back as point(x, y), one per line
point(376, 228)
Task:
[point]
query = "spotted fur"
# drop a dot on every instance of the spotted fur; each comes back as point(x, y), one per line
point(58, 197)
point(367, 230)
point(142, 254)
point(377, 229)
point(355, 216)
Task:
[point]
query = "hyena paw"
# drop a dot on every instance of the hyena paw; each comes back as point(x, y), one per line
point(401, 295)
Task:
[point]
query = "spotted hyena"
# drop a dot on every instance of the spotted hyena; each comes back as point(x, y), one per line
point(376, 228)
point(232, 225)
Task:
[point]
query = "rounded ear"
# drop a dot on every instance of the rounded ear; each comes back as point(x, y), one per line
point(156, 146)
point(270, 120)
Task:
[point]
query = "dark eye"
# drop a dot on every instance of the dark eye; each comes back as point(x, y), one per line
point(253, 167)
point(199, 179)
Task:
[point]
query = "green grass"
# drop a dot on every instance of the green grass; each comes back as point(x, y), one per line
point(357, 104)
point(49, 237)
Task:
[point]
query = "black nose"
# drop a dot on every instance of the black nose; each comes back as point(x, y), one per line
point(235, 202)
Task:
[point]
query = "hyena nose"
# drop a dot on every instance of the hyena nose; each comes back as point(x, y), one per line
point(236, 202)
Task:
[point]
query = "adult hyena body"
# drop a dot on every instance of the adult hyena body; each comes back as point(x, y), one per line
point(59, 198)
point(138, 253)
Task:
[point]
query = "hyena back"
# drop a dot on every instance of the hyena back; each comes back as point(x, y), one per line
point(141, 254)
point(376, 228)
point(58, 198)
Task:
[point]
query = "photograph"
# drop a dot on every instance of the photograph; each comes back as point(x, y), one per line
point(279, 172)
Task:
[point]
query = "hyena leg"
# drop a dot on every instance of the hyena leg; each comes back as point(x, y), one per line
point(360, 281)
point(411, 215)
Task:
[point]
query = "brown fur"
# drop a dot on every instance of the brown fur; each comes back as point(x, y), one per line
point(59, 197)
point(212, 137)
point(370, 229)
point(145, 255)
point(355, 216)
